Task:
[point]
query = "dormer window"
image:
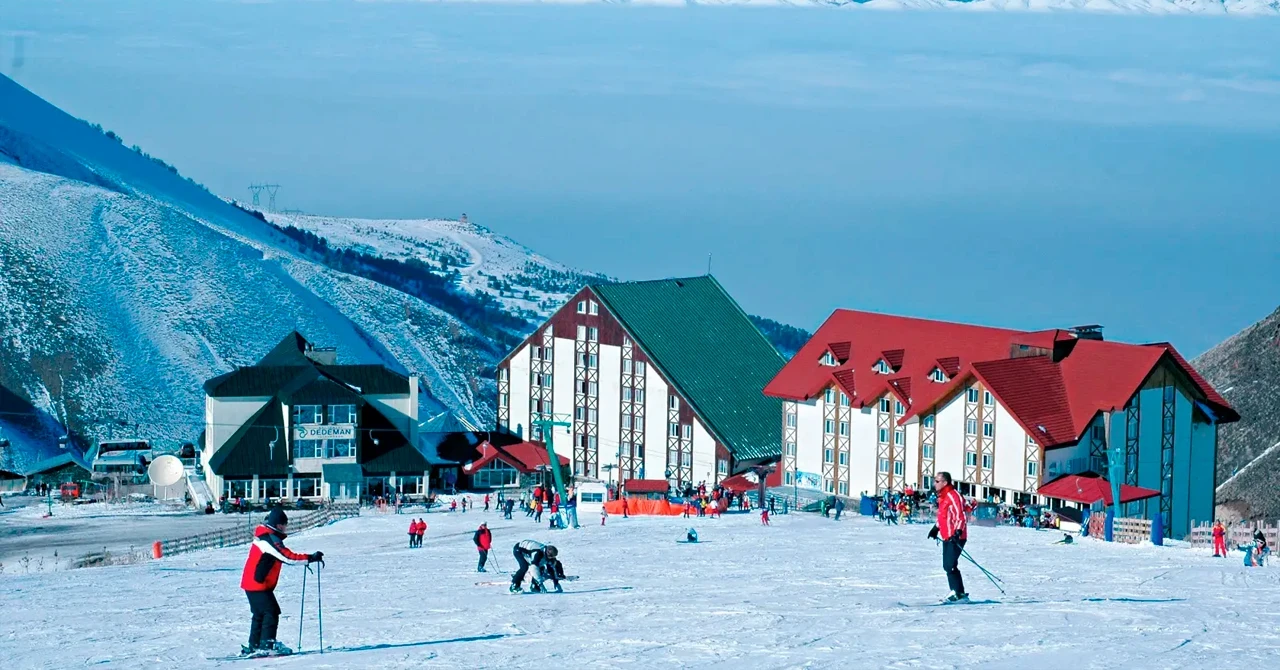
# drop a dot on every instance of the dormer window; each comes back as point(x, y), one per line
point(828, 359)
point(582, 306)
point(881, 367)
point(938, 375)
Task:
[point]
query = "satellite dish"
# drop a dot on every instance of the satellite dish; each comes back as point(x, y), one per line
point(165, 470)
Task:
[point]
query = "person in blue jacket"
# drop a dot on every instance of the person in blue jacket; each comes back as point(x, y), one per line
point(1256, 556)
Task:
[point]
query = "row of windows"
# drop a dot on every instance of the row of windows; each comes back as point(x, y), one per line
point(987, 399)
point(830, 396)
point(971, 459)
point(588, 307)
point(636, 368)
point(588, 333)
point(632, 395)
point(584, 414)
point(826, 485)
point(829, 455)
point(629, 423)
point(684, 459)
point(675, 430)
point(315, 414)
point(541, 353)
point(540, 379)
point(303, 487)
point(324, 448)
point(971, 428)
point(899, 467)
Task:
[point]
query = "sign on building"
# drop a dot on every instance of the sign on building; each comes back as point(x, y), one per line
point(330, 432)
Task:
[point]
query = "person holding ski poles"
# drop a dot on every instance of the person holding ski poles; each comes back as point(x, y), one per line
point(484, 540)
point(541, 556)
point(953, 528)
point(261, 572)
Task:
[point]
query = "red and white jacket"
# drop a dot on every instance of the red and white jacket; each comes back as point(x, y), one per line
point(266, 555)
point(951, 514)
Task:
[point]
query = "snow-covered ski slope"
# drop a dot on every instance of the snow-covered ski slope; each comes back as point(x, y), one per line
point(523, 281)
point(806, 592)
point(1252, 7)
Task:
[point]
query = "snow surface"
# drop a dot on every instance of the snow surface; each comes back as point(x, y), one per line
point(805, 592)
point(479, 255)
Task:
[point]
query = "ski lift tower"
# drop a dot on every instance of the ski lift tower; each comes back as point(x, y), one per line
point(548, 426)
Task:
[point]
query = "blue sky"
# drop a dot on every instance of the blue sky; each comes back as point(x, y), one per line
point(1020, 170)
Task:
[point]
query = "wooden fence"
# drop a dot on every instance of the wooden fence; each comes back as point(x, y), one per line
point(1131, 531)
point(1237, 533)
point(230, 537)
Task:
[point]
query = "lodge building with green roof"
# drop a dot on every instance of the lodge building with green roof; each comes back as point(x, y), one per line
point(299, 426)
point(660, 380)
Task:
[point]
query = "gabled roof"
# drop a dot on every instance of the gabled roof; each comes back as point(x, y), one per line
point(287, 368)
point(248, 450)
point(1054, 387)
point(55, 462)
point(526, 457)
point(291, 351)
point(840, 350)
point(707, 347)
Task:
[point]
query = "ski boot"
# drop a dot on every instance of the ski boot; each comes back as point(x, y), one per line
point(957, 598)
point(515, 588)
point(246, 650)
point(274, 648)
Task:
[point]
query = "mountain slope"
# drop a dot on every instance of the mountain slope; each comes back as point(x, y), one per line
point(1246, 369)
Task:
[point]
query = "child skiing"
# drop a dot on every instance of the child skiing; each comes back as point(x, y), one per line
point(261, 572)
point(484, 540)
point(1219, 540)
point(540, 556)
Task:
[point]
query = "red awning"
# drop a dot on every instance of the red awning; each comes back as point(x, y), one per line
point(646, 486)
point(739, 484)
point(1089, 488)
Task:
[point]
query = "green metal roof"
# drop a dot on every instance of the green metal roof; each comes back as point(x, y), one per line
point(342, 472)
point(707, 347)
point(247, 451)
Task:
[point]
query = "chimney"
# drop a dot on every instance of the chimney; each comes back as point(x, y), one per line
point(323, 355)
point(1089, 332)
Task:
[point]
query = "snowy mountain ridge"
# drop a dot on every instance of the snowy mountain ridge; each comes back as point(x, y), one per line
point(1235, 7)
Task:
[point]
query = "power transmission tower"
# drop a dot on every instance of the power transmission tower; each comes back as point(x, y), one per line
point(271, 195)
point(256, 189)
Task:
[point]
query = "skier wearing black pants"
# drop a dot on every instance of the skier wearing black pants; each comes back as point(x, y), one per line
point(483, 540)
point(541, 556)
point(952, 527)
point(261, 572)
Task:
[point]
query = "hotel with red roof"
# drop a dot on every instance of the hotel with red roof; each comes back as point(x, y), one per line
point(875, 403)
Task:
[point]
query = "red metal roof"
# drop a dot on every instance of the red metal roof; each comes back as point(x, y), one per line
point(840, 350)
point(893, 357)
point(740, 484)
point(523, 456)
point(1089, 488)
point(1054, 400)
point(646, 486)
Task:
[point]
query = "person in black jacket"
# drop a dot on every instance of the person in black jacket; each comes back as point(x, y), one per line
point(541, 556)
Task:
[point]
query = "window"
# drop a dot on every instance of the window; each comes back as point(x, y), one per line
point(844, 488)
point(626, 366)
point(639, 395)
point(898, 408)
point(972, 395)
point(988, 429)
point(899, 437)
point(970, 458)
point(673, 402)
point(591, 441)
point(237, 488)
point(688, 431)
point(827, 359)
point(306, 487)
point(626, 422)
point(686, 459)
point(898, 468)
point(582, 360)
point(884, 436)
point(308, 414)
point(884, 404)
point(582, 306)
point(1099, 433)
point(844, 458)
point(844, 428)
point(791, 448)
point(274, 488)
point(582, 333)
point(410, 486)
point(593, 389)
point(788, 479)
point(884, 465)
point(927, 450)
point(1032, 468)
point(593, 334)
point(827, 483)
point(580, 413)
point(503, 374)
point(791, 420)
point(722, 467)
point(639, 423)
point(928, 421)
point(546, 380)
point(827, 455)
point(502, 400)
point(673, 430)
point(987, 398)
point(881, 367)
point(309, 448)
point(342, 448)
point(495, 474)
point(592, 416)
point(829, 426)
point(626, 394)
point(986, 460)
point(640, 367)
point(971, 426)
point(938, 375)
point(844, 399)
point(829, 395)
point(1030, 441)
point(595, 308)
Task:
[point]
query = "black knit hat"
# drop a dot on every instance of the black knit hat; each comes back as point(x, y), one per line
point(276, 518)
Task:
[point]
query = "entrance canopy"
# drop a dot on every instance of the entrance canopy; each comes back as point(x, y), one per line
point(1089, 488)
point(740, 484)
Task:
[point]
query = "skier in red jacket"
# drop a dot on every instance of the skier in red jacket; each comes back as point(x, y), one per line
point(484, 541)
point(261, 571)
point(1219, 540)
point(413, 533)
point(953, 528)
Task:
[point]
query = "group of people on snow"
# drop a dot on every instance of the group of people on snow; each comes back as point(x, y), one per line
point(416, 530)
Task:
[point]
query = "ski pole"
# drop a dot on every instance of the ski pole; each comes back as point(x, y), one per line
point(320, 605)
point(303, 609)
point(966, 555)
point(984, 572)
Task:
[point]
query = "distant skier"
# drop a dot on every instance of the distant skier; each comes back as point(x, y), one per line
point(604, 515)
point(413, 533)
point(510, 504)
point(464, 505)
point(952, 527)
point(261, 572)
point(839, 507)
point(422, 530)
point(486, 502)
point(1219, 540)
point(764, 516)
point(624, 508)
point(453, 505)
point(484, 540)
point(691, 536)
point(541, 557)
